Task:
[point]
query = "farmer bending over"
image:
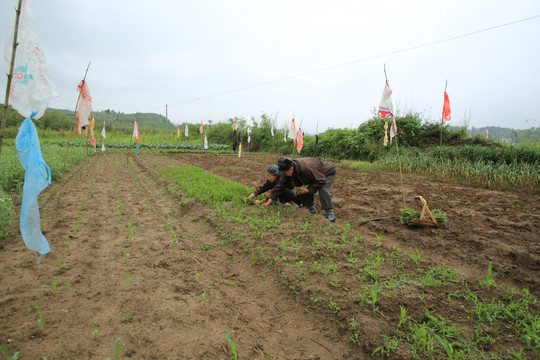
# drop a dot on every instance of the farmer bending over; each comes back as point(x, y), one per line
point(286, 196)
point(317, 175)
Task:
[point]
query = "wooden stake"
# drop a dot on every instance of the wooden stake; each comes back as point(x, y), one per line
point(442, 114)
point(440, 143)
point(75, 112)
point(10, 75)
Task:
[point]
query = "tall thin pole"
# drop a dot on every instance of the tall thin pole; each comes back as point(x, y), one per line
point(442, 114)
point(166, 120)
point(75, 112)
point(10, 75)
point(397, 150)
point(440, 143)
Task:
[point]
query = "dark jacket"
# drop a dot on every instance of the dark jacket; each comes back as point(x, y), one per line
point(268, 185)
point(307, 171)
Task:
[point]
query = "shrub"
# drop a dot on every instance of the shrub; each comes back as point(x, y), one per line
point(6, 213)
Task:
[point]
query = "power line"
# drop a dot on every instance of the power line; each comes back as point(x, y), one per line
point(355, 61)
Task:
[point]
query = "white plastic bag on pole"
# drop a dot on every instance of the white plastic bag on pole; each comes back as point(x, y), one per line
point(31, 86)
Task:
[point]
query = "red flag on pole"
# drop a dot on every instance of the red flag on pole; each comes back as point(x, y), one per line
point(177, 130)
point(446, 108)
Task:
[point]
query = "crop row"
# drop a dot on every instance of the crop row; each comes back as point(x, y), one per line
point(356, 280)
point(497, 155)
point(485, 173)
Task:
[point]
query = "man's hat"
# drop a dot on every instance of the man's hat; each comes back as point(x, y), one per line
point(272, 170)
point(284, 164)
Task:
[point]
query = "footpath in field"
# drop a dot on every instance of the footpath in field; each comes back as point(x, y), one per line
point(129, 262)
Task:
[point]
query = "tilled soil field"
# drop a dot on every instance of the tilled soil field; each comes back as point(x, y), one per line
point(135, 259)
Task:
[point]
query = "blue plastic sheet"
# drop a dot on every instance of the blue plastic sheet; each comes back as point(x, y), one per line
point(37, 177)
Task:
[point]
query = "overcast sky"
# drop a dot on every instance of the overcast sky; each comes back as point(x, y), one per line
point(318, 61)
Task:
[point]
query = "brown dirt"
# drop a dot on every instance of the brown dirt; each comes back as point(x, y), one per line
point(170, 319)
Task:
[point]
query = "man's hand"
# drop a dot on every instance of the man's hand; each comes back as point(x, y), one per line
point(304, 191)
point(267, 203)
point(258, 202)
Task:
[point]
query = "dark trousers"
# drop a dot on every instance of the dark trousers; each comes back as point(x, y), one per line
point(305, 200)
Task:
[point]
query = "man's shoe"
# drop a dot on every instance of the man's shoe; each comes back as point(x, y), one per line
point(330, 215)
point(313, 210)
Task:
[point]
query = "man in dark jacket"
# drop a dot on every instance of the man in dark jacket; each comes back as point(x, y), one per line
point(317, 175)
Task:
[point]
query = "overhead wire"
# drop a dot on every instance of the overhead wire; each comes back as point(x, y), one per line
point(331, 67)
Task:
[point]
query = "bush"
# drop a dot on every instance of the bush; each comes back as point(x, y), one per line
point(6, 213)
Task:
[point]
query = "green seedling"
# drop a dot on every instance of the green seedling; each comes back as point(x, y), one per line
point(204, 295)
point(232, 345)
point(60, 264)
point(488, 280)
point(175, 238)
point(116, 350)
point(379, 238)
point(353, 329)
point(416, 258)
point(120, 207)
point(40, 319)
point(126, 258)
point(15, 356)
point(56, 282)
point(130, 280)
point(96, 333)
point(197, 276)
point(334, 307)
point(127, 317)
point(131, 230)
point(374, 295)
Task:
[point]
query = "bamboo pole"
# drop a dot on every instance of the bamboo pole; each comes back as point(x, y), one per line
point(166, 120)
point(442, 113)
point(440, 143)
point(397, 150)
point(75, 112)
point(10, 75)
point(131, 136)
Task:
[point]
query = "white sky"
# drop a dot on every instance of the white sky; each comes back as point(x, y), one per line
point(145, 54)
